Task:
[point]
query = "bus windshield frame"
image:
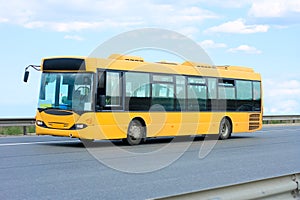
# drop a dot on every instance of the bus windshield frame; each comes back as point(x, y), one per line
point(67, 91)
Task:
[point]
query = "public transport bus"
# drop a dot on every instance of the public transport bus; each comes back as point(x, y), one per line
point(124, 97)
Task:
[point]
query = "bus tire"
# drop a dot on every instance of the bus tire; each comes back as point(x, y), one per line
point(225, 129)
point(136, 132)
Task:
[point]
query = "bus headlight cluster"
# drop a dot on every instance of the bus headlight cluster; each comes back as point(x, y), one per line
point(39, 123)
point(80, 126)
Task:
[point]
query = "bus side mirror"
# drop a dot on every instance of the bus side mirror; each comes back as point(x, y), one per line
point(26, 75)
point(102, 100)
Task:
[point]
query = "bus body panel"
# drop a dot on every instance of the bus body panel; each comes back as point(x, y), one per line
point(93, 64)
point(114, 125)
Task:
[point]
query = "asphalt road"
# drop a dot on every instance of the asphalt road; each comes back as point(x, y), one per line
point(45, 167)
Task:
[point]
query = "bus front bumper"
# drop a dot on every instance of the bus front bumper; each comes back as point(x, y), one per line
point(89, 132)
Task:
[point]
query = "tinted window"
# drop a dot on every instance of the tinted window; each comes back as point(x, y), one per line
point(256, 91)
point(196, 80)
point(180, 92)
point(226, 89)
point(64, 64)
point(113, 88)
point(244, 90)
point(162, 78)
point(163, 90)
point(163, 95)
point(137, 84)
point(212, 88)
point(197, 91)
point(197, 94)
point(137, 91)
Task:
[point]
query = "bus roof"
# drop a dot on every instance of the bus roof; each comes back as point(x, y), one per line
point(136, 63)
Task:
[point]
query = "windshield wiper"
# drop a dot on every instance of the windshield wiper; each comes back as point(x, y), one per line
point(48, 108)
point(54, 108)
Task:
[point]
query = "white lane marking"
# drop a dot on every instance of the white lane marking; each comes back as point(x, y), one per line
point(29, 143)
point(70, 141)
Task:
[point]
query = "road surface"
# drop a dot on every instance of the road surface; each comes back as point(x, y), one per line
point(45, 167)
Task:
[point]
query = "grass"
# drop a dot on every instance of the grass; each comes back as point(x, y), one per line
point(16, 130)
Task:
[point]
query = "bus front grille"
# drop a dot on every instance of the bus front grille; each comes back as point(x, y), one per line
point(254, 120)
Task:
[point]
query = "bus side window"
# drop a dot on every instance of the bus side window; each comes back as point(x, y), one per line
point(180, 93)
point(257, 95)
point(137, 91)
point(197, 94)
point(244, 95)
point(226, 89)
point(101, 83)
point(100, 89)
point(163, 92)
point(113, 89)
point(212, 88)
point(212, 96)
point(226, 95)
point(256, 90)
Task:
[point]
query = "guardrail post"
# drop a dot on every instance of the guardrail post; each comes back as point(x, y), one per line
point(24, 130)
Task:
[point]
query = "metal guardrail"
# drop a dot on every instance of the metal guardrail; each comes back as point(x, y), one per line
point(281, 118)
point(24, 122)
point(282, 187)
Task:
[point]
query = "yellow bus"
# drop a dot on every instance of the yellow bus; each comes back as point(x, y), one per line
point(125, 97)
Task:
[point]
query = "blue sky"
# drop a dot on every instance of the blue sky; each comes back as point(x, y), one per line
point(262, 34)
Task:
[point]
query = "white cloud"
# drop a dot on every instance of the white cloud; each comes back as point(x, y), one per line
point(77, 15)
point(210, 44)
point(259, 8)
point(245, 49)
point(188, 31)
point(281, 96)
point(223, 4)
point(78, 25)
point(193, 14)
point(286, 107)
point(271, 8)
point(238, 26)
point(73, 37)
point(284, 88)
point(3, 20)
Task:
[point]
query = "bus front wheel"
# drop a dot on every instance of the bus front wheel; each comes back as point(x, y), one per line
point(136, 133)
point(225, 129)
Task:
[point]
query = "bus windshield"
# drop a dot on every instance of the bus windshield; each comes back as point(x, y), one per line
point(66, 91)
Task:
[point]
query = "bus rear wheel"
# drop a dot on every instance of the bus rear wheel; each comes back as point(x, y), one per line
point(225, 129)
point(136, 133)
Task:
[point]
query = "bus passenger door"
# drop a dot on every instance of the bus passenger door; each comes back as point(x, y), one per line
point(110, 90)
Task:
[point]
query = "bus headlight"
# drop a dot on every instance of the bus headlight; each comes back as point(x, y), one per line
point(80, 126)
point(40, 123)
